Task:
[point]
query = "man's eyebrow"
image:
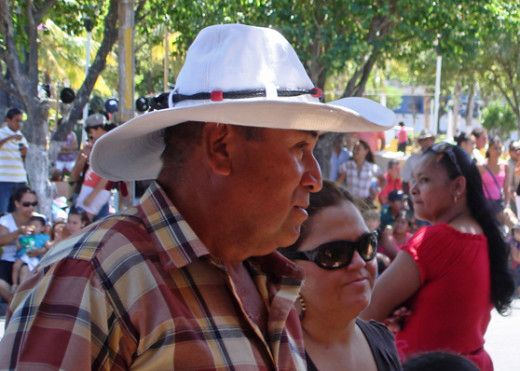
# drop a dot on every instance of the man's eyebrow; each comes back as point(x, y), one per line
point(312, 133)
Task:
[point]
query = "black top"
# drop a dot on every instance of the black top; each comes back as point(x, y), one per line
point(381, 343)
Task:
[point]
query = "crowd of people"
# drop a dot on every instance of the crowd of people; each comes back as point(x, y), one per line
point(239, 255)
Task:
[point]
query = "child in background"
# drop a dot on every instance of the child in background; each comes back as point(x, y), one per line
point(373, 221)
point(398, 235)
point(31, 248)
point(76, 220)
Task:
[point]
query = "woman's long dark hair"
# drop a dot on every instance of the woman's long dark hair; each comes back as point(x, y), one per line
point(370, 155)
point(502, 283)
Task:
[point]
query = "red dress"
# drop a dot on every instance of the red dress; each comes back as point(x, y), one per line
point(451, 310)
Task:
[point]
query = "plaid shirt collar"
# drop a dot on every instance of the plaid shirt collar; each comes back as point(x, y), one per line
point(178, 244)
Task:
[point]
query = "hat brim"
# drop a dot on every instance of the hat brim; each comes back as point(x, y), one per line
point(132, 151)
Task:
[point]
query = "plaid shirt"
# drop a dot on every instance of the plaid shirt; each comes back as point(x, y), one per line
point(140, 291)
point(358, 183)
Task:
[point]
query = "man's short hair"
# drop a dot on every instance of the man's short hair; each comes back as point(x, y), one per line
point(180, 141)
point(12, 112)
point(477, 132)
point(391, 163)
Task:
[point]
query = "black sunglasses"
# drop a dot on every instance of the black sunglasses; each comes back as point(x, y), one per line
point(338, 254)
point(447, 148)
point(27, 204)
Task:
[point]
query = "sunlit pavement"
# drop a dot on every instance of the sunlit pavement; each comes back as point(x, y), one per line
point(502, 339)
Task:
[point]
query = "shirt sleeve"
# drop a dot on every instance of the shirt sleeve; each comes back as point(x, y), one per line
point(77, 331)
point(430, 249)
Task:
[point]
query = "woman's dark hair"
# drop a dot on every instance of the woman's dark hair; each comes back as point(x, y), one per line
point(20, 191)
point(461, 138)
point(370, 156)
point(502, 283)
point(82, 213)
point(492, 141)
point(434, 361)
point(331, 194)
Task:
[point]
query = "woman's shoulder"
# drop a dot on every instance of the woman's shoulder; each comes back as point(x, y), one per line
point(382, 344)
point(443, 230)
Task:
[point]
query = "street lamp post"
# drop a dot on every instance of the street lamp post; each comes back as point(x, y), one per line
point(88, 25)
point(437, 84)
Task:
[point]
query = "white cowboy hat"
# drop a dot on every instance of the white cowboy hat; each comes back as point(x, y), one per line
point(233, 74)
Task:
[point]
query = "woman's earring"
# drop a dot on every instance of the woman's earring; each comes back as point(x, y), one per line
point(303, 305)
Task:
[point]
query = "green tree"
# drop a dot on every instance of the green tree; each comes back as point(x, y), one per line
point(499, 120)
point(20, 59)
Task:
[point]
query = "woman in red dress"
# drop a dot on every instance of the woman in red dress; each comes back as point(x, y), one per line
point(452, 273)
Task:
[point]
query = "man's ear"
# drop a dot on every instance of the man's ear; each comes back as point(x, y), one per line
point(215, 139)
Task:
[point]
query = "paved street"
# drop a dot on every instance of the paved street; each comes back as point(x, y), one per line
point(502, 339)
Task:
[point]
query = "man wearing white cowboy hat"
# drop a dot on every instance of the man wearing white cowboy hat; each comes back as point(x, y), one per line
point(188, 278)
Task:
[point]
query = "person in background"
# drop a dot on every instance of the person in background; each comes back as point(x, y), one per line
point(31, 248)
point(495, 178)
point(189, 279)
point(402, 138)
point(12, 226)
point(514, 243)
point(339, 155)
point(375, 139)
point(13, 148)
point(452, 273)
point(92, 197)
point(481, 140)
point(358, 172)
point(76, 220)
point(396, 236)
point(393, 181)
point(514, 173)
point(337, 252)
point(397, 202)
point(425, 139)
point(67, 156)
point(467, 143)
point(437, 361)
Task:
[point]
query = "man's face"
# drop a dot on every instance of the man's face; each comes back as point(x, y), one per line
point(395, 171)
point(273, 178)
point(15, 123)
point(95, 133)
point(396, 206)
point(426, 143)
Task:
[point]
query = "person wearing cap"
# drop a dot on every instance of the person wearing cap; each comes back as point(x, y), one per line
point(90, 194)
point(425, 139)
point(189, 277)
point(397, 202)
point(13, 148)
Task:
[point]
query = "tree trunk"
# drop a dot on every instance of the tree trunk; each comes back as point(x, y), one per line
point(323, 152)
point(456, 103)
point(470, 108)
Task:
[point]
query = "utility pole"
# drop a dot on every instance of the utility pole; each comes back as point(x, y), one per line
point(126, 77)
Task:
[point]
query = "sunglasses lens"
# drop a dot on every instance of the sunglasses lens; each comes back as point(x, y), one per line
point(367, 247)
point(334, 255)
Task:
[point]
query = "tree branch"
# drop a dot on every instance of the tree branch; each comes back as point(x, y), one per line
point(110, 36)
point(10, 54)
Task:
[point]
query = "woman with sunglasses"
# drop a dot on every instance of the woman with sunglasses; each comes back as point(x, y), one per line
point(337, 251)
point(452, 273)
point(11, 227)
